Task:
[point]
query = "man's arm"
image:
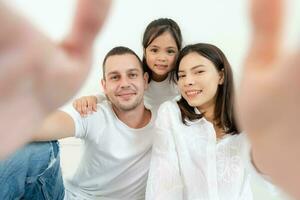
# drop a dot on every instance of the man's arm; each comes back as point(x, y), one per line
point(38, 75)
point(57, 125)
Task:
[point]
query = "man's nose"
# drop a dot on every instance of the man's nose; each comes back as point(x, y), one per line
point(125, 83)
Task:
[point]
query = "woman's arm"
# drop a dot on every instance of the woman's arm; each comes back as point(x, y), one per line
point(269, 96)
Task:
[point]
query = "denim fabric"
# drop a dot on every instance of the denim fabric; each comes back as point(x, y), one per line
point(33, 172)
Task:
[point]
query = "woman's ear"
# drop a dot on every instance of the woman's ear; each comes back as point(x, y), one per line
point(221, 77)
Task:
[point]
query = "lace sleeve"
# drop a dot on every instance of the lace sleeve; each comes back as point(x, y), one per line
point(164, 181)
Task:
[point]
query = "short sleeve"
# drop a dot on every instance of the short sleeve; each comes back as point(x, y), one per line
point(80, 122)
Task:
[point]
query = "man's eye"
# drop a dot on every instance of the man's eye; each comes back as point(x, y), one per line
point(114, 78)
point(132, 75)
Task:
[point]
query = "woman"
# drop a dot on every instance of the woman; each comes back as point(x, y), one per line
point(198, 151)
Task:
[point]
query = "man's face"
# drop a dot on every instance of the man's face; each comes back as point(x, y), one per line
point(124, 82)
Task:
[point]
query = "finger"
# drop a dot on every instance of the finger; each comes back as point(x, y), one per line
point(94, 107)
point(89, 18)
point(77, 106)
point(89, 105)
point(267, 18)
point(93, 103)
point(84, 106)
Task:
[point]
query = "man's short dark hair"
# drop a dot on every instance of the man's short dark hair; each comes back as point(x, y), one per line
point(120, 50)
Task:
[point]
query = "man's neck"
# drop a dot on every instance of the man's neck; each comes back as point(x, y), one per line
point(136, 118)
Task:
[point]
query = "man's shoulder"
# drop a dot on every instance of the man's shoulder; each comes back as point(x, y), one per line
point(104, 112)
point(104, 107)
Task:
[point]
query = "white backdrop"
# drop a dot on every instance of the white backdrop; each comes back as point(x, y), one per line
point(221, 22)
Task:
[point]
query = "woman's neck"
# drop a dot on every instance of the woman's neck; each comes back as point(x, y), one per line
point(209, 115)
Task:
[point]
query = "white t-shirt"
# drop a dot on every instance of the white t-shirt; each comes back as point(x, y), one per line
point(188, 163)
point(115, 160)
point(159, 92)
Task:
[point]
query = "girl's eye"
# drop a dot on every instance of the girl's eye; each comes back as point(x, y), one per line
point(154, 50)
point(171, 51)
point(199, 72)
point(181, 75)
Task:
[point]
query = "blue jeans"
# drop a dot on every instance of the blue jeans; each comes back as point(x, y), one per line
point(33, 172)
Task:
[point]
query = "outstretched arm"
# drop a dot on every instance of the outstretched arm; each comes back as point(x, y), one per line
point(269, 96)
point(57, 125)
point(38, 75)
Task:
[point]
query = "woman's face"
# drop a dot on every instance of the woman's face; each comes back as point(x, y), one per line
point(198, 81)
point(161, 55)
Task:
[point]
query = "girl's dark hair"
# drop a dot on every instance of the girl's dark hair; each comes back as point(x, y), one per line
point(157, 28)
point(224, 116)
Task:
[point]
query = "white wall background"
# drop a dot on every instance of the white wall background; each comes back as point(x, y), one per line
point(221, 22)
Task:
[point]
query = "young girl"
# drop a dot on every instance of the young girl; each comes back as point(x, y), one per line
point(198, 151)
point(161, 42)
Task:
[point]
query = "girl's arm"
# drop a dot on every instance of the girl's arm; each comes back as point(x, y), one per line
point(87, 104)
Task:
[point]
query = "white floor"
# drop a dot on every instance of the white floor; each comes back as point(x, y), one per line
point(71, 152)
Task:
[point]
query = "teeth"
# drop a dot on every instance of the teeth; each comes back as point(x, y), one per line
point(191, 93)
point(161, 66)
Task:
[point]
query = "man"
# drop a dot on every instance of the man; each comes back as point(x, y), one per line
point(117, 143)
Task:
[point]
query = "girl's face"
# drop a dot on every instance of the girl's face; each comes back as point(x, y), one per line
point(161, 56)
point(198, 81)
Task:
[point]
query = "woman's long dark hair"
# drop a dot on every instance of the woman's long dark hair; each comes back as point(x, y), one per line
point(224, 116)
point(155, 29)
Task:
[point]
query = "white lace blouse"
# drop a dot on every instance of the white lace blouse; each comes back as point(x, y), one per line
point(188, 163)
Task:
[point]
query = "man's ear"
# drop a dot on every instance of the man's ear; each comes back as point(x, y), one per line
point(103, 83)
point(146, 78)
